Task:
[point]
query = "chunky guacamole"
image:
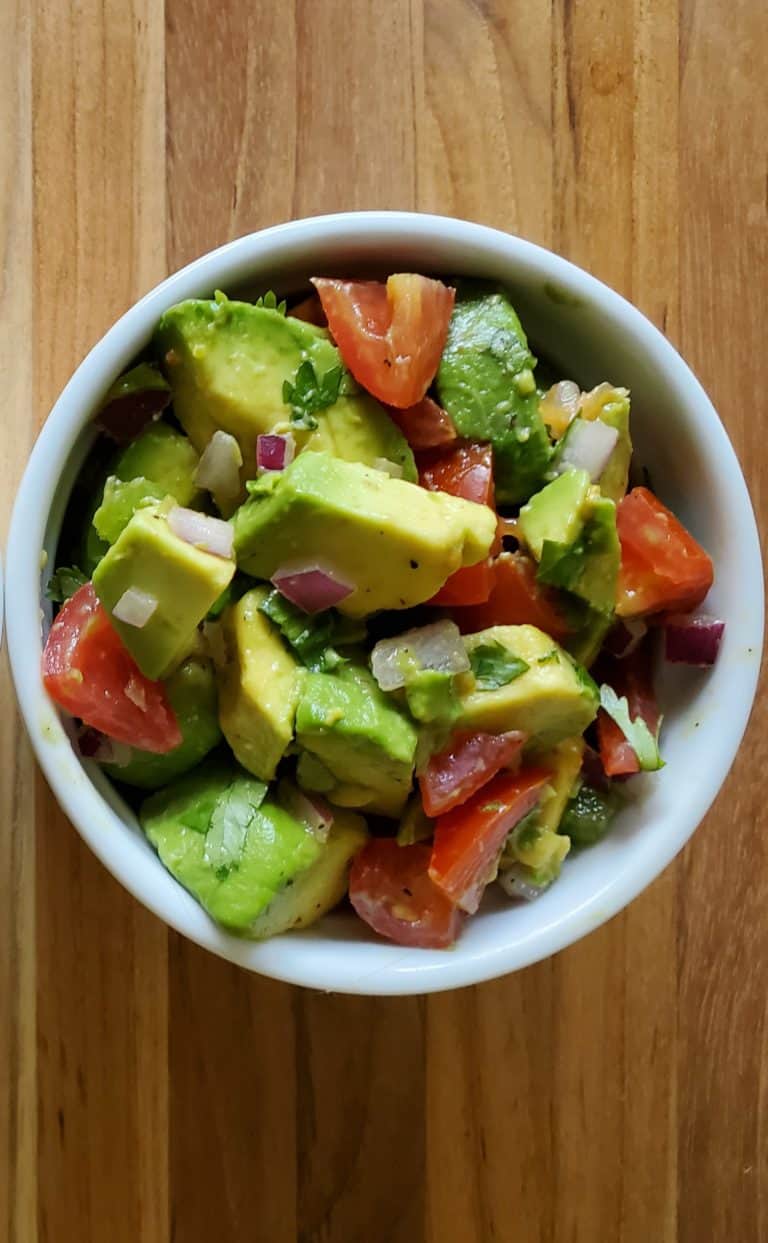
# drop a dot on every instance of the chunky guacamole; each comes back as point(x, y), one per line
point(349, 602)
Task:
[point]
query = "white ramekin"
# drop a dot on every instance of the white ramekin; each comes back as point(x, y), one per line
point(591, 334)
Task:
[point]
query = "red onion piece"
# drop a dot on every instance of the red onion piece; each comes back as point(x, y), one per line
point(135, 607)
point(692, 640)
point(588, 447)
point(94, 745)
point(275, 452)
point(311, 586)
point(219, 468)
point(210, 534)
point(515, 885)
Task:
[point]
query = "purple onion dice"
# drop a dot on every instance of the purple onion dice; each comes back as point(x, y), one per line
point(275, 452)
point(311, 587)
point(693, 640)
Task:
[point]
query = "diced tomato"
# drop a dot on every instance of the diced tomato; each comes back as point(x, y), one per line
point(468, 840)
point(516, 599)
point(391, 890)
point(663, 568)
point(466, 764)
point(310, 311)
point(465, 471)
point(631, 677)
point(425, 425)
point(390, 336)
point(472, 585)
point(89, 672)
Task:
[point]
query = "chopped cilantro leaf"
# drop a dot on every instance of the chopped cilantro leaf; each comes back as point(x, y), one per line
point(229, 824)
point(493, 666)
point(644, 744)
point(310, 393)
point(64, 582)
point(269, 300)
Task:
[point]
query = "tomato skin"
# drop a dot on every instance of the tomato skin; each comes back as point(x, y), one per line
point(663, 568)
point(391, 337)
point(468, 839)
point(425, 425)
point(471, 585)
point(88, 671)
point(391, 890)
point(465, 471)
point(516, 599)
point(464, 766)
point(631, 677)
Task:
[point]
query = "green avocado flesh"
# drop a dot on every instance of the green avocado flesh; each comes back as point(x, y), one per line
point(485, 381)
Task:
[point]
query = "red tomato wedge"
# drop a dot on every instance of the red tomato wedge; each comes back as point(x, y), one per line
point(391, 890)
point(516, 599)
point(663, 568)
point(465, 471)
point(89, 672)
point(425, 425)
point(390, 336)
point(633, 678)
point(466, 764)
point(468, 839)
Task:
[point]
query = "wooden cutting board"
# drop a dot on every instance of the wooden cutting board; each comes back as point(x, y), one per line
point(151, 1093)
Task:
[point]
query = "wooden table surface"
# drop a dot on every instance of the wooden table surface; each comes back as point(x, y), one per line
point(149, 1092)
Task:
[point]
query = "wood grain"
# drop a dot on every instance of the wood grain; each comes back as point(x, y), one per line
point(618, 1092)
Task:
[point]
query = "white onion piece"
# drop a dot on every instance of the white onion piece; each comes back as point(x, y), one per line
point(388, 467)
point(515, 885)
point(135, 607)
point(218, 470)
point(275, 452)
point(210, 534)
point(311, 586)
point(438, 646)
point(588, 447)
point(309, 809)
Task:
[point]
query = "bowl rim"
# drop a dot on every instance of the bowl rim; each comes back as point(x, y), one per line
point(400, 972)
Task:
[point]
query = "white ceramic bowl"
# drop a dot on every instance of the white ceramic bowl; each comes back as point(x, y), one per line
point(591, 334)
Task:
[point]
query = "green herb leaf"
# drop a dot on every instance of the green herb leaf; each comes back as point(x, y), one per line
point(269, 300)
point(314, 639)
point(309, 393)
point(230, 822)
point(64, 582)
point(644, 744)
point(493, 666)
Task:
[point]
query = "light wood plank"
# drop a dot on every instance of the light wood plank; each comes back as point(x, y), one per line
point(723, 934)
point(101, 960)
point(18, 1131)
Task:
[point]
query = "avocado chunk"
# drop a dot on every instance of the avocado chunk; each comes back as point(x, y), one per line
point(258, 686)
point(233, 851)
point(159, 463)
point(321, 886)
point(227, 363)
point(395, 542)
point(184, 581)
point(564, 763)
point(485, 381)
point(556, 514)
point(360, 738)
point(552, 699)
point(192, 694)
point(588, 567)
